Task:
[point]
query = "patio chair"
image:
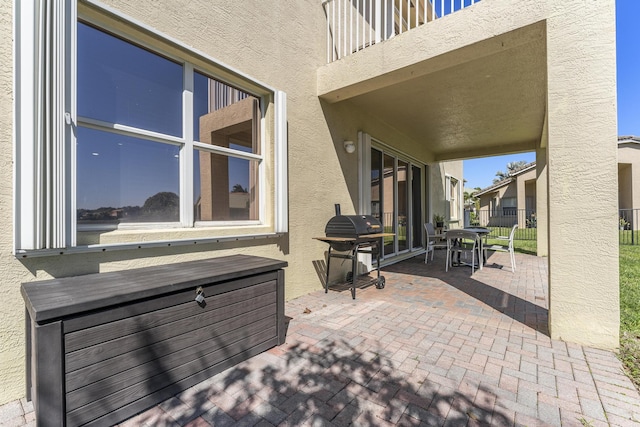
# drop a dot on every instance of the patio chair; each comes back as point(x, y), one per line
point(505, 248)
point(433, 242)
point(462, 243)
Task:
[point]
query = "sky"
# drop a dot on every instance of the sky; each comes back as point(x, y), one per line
point(480, 172)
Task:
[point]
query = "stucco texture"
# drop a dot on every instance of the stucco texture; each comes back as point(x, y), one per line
point(283, 49)
point(11, 272)
point(583, 248)
point(283, 45)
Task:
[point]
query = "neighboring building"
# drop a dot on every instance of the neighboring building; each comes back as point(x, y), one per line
point(120, 106)
point(511, 200)
point(629, 181)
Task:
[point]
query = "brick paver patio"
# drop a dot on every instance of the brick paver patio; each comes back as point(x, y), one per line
point(431, 348)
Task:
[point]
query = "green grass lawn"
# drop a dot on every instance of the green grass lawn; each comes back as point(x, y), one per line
point(524, 240)
point(524, 246)
point(630, 288)
point(630, 311)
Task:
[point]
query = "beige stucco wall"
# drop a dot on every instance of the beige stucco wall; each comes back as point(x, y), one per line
point(284, 49)
point(485, 200)
point(524, 183)
point(515, 188)
point(583, 246)
point(625, 185)
point(438, 203)
point(12, 273)
point(507, 190)
point(542, 220)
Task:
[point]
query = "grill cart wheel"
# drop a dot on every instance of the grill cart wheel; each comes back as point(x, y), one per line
point(380, 284)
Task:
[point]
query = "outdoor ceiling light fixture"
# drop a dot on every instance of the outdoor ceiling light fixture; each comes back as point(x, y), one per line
point(349, 147)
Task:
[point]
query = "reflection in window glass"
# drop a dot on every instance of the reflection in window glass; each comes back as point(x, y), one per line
point(403, 204)
point(225, 188)
point(388, 191)
point(376, 173)
point(125, 179)
point(416, 196)
point(119, 82)
point(225, 116)
point(137, 178)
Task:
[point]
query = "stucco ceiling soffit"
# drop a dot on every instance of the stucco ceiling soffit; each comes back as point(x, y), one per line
point(481, 150)
point(467, 104)
point(409, 56)
point(490, 105)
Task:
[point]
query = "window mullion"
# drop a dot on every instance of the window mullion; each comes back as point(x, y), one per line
point(125, 130)
point(228, 151)
point(186, 151)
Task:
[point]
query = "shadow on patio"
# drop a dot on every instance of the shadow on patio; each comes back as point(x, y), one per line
point(331, 382)
point(431, 348)
point(521, 295)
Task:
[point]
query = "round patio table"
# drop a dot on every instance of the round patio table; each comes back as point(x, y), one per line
point(483, 232)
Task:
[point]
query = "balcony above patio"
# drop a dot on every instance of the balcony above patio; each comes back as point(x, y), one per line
point(466, 84)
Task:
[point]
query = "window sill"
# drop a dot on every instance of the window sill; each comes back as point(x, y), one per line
point(109, 247)
point(135, 233)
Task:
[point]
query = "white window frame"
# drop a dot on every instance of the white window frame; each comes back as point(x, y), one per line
point(44, 138)
point(453, 214)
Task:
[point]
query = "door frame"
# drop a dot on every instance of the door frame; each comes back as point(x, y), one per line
point(365, 144)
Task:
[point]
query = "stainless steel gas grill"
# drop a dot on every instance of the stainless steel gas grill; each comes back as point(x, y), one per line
point(354, 234)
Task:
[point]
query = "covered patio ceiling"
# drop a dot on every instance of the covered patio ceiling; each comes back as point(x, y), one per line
point(481, 99)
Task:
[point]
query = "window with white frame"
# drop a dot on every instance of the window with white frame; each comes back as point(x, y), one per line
point(452, 190)
point(136, 138)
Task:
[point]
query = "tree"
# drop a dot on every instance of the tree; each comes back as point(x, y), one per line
point(237, 188)
point(500, 176)
point(512, 167)
point(470, 198)
point(163, 206)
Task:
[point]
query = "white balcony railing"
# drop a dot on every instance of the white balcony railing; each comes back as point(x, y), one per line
point(353, 25)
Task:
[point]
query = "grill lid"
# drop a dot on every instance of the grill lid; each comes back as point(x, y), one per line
point(352, 226)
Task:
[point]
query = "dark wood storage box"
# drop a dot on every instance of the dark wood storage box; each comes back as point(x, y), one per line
point(103, 347)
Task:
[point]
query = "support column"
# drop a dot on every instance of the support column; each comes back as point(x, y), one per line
point(582, 173)
point(521, 202)
point(542, 199)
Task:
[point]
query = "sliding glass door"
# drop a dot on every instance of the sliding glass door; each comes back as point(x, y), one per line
point(397, 200)
point(416, 209)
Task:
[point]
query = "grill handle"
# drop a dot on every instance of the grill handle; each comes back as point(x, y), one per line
point(337, 206)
